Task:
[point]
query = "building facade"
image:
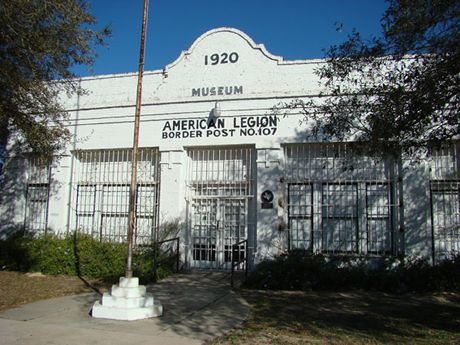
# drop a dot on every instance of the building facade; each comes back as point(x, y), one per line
point(217, 158)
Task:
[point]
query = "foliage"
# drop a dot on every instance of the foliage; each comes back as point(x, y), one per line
point(169, 229)
point(398, 92)
point(40, 41)
point(81, 255)
point(300, 271)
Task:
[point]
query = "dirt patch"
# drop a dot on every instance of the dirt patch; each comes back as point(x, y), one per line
point(21, 288)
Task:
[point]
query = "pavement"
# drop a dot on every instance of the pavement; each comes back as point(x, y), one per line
point(197, 307)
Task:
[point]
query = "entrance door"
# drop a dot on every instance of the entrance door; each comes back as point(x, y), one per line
point(220, 187)
point(217, 225)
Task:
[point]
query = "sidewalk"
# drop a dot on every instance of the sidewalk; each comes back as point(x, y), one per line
point(197, 307)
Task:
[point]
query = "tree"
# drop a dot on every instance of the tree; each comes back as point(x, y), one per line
point(398, 93)
point(40, 42)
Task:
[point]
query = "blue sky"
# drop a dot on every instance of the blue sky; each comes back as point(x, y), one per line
point(294, 29)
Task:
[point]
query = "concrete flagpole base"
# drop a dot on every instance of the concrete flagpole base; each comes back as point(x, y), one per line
point(127, 301)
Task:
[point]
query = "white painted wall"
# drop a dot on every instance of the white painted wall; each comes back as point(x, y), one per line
point(104, 119)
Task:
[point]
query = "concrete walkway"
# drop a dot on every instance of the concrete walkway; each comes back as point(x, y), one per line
point(197, 307)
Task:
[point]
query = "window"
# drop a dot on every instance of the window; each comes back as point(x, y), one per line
point(340, 218)
point(340, 200)
point(103, 180)
point(37, 195)
point(445, 201)
point(300, 199)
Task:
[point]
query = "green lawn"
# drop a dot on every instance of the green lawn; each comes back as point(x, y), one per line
point(281, 317)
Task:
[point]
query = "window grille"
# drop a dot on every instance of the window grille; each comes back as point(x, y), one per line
point(378, 214)
point(340, 200)
point(37, 195)
point(300, 216)
point(339, 217)
point(220, 186)
point(102, 181)
point(445, 201)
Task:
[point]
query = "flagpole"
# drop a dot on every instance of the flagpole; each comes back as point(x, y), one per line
point(133, 186)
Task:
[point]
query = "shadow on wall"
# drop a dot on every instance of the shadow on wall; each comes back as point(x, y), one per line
point(15, 187)
point(414, 213)
point(273, 229)
point(270, 238)
point(417, 210)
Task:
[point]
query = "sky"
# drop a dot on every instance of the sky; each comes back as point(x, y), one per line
point(293, 29)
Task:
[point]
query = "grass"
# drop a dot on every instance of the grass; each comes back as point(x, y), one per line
point(286, 317)
point(22, 288)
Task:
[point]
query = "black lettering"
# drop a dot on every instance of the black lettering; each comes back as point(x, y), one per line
point(214, 59)
point(203, 124)
point(266, 131)
point(217, 90)
point(211, 123)
point(233, 57)
point(176, 125)
point(167, 126)
point(238, 90)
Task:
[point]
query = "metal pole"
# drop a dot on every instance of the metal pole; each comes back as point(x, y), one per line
point(133, 186)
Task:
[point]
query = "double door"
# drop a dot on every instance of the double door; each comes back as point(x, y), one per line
point(217, 223)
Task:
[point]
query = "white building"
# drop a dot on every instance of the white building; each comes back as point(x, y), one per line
point(217, 174)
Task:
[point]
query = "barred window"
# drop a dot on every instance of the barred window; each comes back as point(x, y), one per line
point(340, 200)
point(445, 201)
point(102, 181)
point(37, 195)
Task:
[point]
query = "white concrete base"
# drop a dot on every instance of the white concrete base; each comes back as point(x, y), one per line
point(128, 301)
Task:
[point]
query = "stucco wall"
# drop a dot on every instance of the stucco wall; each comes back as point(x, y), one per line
point(248, 82)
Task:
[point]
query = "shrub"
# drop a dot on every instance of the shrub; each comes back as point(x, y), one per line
point(81, 255)
point(303, 271)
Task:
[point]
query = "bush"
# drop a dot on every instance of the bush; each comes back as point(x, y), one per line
point(302, 271)
point(81, 255)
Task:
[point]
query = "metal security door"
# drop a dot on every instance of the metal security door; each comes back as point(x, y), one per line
point(217, 224)
point(220, 189)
